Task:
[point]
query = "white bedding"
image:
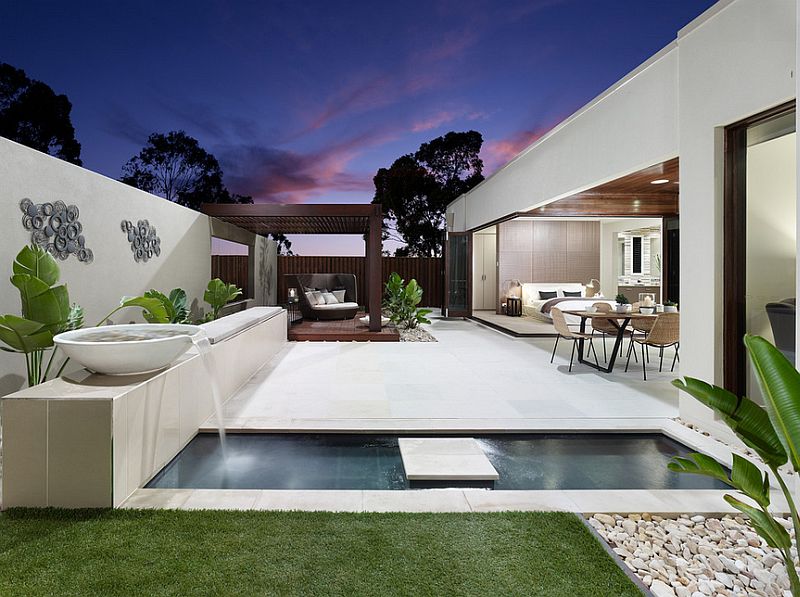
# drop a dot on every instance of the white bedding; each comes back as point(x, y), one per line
point(532, 304)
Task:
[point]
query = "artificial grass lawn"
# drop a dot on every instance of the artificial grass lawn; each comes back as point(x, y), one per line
point(127, 552)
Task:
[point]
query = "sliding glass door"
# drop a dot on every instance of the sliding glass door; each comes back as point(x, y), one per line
point(760, 239)
point(459, 274)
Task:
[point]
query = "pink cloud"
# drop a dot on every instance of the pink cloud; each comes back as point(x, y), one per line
point(270, 174)
point(443, 117)
point(498, 152)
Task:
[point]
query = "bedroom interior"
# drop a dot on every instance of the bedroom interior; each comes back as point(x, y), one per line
point(527, 265)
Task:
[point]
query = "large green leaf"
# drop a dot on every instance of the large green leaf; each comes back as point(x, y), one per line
point(169, 308)
point(748, 478)
point(750, 422)
point(35, 261)
point(699, 464)
point(766, 526)
point(49, 306)
point(24, 335)
point(153, 308)
point(177, 297)
point(780, 386)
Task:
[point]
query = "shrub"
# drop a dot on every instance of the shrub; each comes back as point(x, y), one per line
point(401, 302)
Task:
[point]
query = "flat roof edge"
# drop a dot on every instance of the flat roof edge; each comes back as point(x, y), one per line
point(704, 17)
point(666, 50)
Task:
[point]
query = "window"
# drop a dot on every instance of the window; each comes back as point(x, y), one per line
point(637, 255)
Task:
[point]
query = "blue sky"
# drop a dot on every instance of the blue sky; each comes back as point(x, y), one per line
point(304, 101)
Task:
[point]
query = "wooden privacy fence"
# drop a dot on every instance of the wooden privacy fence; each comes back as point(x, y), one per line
point(427, 271)
point(231, 269)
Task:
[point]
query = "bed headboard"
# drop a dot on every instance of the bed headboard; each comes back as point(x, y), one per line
point(530, 290)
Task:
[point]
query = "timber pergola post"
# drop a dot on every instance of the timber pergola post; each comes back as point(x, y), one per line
point(362, 219)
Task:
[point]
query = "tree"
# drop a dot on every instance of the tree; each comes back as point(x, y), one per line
point(417, 188)
point(33, 114)
point(284, 244)
point(174, 166)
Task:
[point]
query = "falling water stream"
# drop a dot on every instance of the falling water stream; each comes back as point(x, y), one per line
point(203, 345)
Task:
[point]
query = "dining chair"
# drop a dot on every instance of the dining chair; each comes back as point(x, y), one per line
point(641, 326)
point(664, 333)
point(563, 331)
point(605, 327)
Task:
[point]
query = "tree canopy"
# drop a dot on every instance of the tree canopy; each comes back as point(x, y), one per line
point(33, 114)
point(176, 167)
point(415, 190)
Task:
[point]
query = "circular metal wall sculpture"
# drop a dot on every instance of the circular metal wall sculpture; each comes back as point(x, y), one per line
point(143, 238)
point(55, 228)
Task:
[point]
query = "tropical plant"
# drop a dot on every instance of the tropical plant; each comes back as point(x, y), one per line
point(46, 311)
point(218, 294)
point(175, 306)
point(772, 432)
point(622, 299)
point(401, 302)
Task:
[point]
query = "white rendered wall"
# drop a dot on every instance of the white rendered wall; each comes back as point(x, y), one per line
point(98, 286)
point(631, 126)
point(736, 62)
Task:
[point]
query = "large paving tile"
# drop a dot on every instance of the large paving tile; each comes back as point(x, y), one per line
point(311, 500)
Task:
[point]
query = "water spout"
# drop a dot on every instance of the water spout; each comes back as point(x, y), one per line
point(203, 345)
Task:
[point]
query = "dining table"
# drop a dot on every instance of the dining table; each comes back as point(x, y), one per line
point(618, 320)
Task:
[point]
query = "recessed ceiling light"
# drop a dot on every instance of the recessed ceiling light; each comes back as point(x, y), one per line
point(660, 181)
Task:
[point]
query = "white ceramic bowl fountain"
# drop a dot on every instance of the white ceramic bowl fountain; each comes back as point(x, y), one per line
point(128, 349)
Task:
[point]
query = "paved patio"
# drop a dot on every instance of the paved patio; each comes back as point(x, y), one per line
point(474, 378)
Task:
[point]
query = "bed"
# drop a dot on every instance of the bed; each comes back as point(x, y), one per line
point(538, 300)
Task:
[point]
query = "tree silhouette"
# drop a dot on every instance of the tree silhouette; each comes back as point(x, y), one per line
point(32, 113)
point(284, 244)
point(417, 188)
point(174, 166)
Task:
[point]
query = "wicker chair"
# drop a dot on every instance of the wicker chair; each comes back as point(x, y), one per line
point(665, 333)
point(560, 324)
point(642, 327)
point(605, 327)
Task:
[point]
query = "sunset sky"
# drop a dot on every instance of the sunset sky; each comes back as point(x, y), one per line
point(304, 101)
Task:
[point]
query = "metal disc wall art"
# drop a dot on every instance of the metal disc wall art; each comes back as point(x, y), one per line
point(143, 238)
point(55, 228)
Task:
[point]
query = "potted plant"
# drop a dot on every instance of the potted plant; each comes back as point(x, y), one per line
point(670, 307)
point(622, 303)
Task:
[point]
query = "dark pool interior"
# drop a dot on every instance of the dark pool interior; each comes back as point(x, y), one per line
point(333, 461)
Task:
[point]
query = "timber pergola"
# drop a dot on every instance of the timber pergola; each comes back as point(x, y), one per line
point(330, 218)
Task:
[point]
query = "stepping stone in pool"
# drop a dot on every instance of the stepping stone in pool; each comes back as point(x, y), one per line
point(445, 459)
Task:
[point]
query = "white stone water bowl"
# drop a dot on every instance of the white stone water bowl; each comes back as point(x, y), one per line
point(143, 347)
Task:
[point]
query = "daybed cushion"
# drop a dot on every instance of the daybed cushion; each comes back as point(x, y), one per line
point(334, 306)
point(230, 325)
point(330, 299)
point(339, 294)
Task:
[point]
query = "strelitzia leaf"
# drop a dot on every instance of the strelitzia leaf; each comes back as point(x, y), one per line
point(748, 478)
point(24, 335)
point(749, 421)
point(154, 308)
point(780, 386)
point(34, 261)
point(767, 527)
point(699, 464)
point(169, 308)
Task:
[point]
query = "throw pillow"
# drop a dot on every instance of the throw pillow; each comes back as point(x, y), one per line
point(318, 300)
point(329, 298)
point(546, 296)
point(339, 294)
point(576, 293)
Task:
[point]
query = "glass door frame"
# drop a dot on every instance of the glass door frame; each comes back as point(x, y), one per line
point(734, 248)
point(458, 311)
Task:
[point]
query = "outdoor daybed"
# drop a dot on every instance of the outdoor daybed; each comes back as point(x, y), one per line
point(325, 296)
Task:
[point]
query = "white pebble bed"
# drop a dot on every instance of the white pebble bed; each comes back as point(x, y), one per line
point(696, 556)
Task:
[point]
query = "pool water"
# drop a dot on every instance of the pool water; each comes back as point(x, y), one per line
point(330, 461)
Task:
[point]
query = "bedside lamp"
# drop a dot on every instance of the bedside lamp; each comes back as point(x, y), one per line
point(595, 284)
